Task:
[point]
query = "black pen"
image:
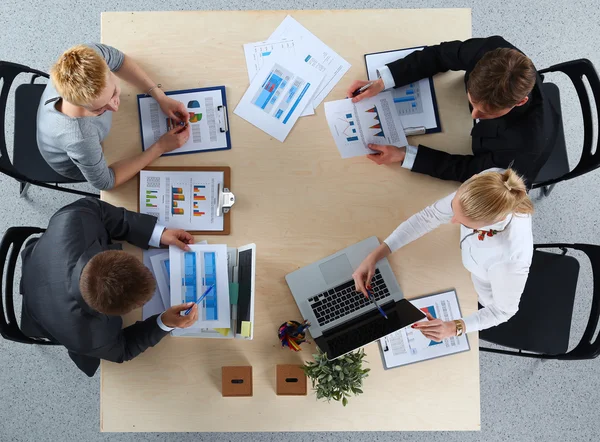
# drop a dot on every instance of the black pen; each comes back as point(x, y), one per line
point(360, 90)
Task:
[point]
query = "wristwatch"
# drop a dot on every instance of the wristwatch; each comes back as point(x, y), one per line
point(459, 327)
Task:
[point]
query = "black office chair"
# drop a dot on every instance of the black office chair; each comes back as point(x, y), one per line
point(556, 168)
point(542, 325)
point(9, 328)
point(28, 165)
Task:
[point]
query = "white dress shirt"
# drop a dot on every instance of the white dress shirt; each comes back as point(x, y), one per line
point(499, 264)
point(155, 242)
point(388, 82)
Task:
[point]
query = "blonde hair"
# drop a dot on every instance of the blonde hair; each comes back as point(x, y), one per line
point(79, 75)
point(491, 196)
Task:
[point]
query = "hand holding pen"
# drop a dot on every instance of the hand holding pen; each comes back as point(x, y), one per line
point(361, 89)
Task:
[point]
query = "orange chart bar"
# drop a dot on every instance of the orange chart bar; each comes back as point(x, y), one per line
point(199, 198)
point(178, 197)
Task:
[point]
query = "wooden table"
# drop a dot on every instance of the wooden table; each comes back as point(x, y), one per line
point(299, 202)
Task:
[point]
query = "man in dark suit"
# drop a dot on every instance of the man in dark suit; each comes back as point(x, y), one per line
point(76, 284)
point(514, 122)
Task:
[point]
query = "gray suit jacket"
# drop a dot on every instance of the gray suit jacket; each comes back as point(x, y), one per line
point(52, 267)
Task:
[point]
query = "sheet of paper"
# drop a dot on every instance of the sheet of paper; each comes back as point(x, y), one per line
point(206, 120)
point(160, 265)
point(315, 53)
point(192, 273)
point(278, 94)
point(407, 345)
point(182, 200)
point(414, 102)
point(256, 53)
point(370, 121)
point(156, 304)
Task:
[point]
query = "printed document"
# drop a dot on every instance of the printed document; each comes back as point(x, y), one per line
point(278, 94)
point(370, 121)
point(182, 200)
point(414, 102)
point(315, 54)
point(257, 53)
point(192, 273)
point(408, 345)
point(206, 118)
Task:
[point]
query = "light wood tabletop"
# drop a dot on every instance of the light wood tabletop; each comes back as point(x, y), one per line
point(299, 202)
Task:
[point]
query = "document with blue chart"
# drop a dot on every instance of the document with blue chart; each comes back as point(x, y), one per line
point(370, 121)
point(407, 345)
point(415, 102)
point(192, 274)
point(257, 53)
point(278, 94)
point(207, 112)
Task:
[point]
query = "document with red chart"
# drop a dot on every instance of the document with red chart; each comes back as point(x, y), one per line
point(407, 345)
point(370, 121)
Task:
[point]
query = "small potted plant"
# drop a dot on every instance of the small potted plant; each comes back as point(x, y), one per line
point(337, 379)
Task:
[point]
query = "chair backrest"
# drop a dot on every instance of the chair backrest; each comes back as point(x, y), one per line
point(9, 327)
point(8, 73)
point(590, 156)
point(588, 346)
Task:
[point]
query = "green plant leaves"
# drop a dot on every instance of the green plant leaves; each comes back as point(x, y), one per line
point(337, 379)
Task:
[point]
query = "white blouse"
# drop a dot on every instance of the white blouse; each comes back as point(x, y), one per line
point(499, 264)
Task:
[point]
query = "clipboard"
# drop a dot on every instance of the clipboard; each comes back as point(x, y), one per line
point(219, 118)
point(434, 125)
point(226, 199)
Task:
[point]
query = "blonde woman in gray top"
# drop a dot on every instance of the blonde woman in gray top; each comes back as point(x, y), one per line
point(75, 115)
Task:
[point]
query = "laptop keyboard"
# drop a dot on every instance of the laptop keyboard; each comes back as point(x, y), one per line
point(342, 300)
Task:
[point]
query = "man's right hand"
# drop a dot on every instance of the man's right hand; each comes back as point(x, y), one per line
point(172, 318)
point(371, 92)
point(387, 154)
point(174, 139)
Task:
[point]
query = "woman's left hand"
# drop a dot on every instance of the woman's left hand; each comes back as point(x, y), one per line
point(174, 109)
point(436, 329)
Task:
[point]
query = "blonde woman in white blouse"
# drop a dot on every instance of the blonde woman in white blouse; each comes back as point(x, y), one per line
point(496, 244)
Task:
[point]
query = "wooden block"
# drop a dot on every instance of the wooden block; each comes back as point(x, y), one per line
point(291, 381)
point(236, 381)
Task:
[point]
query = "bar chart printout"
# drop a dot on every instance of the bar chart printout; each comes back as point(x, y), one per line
point(182, 199)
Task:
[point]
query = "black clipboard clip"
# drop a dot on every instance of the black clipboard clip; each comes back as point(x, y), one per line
point(226, 199)
point(222, 115)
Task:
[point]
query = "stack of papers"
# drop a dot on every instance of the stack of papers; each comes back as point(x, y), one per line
point(290, 74)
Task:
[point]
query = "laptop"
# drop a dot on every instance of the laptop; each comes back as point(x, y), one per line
point(342, 319)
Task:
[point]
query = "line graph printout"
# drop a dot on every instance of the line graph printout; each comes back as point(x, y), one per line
point(408, 345)
point(371, 121)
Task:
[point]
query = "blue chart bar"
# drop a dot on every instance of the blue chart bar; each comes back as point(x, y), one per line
point(210, 278)
point(189, 277)
point(409, 92)
point(287, 117)
point(307, 58)
point(264, 54)
point(352, 139)
point(403, 99)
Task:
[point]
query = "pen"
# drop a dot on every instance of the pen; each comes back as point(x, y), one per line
point(360, 90)
point(372, 299)
point(187, 312)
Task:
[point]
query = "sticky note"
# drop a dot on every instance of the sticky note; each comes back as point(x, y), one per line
point(234, 291)
point(223, 331)
point(246, 329)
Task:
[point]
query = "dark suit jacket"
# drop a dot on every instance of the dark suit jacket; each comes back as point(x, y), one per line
point(523, 137)
point(50, 283)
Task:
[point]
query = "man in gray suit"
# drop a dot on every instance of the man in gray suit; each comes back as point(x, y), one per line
point(76, 284)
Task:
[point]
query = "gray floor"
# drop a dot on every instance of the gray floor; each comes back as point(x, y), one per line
point(43, 396)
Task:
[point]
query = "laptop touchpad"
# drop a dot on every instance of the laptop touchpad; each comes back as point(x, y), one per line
point(337, 269)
